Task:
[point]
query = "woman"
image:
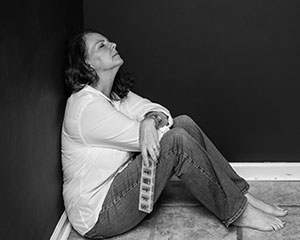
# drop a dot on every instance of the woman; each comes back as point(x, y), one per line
point(109, 131)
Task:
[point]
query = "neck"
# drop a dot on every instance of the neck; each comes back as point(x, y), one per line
point(106, 81)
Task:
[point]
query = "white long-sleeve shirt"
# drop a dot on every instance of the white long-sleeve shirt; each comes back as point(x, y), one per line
point(98, 136)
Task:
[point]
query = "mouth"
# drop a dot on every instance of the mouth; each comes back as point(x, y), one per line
point(116, 54)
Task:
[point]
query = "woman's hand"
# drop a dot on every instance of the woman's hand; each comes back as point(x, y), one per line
point(149, 140)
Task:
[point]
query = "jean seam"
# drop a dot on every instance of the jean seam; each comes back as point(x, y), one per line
point(245, 190)
point(128, 190)
point(190, 160)
point(237, 214)
point(124, 194)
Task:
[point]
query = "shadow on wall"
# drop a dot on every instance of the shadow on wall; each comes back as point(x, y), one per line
point(32, 42)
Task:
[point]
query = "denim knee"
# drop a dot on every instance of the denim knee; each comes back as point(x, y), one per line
point(176, 139)
point(176, 133)
point(186, 119)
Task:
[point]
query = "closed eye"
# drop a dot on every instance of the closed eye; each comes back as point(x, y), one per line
point(100, 43)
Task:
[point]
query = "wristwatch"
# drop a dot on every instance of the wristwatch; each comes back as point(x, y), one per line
point(157, 118)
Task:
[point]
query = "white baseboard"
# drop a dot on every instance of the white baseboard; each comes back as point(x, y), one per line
point(265, 171)
point(268, 171)
point(62, 229)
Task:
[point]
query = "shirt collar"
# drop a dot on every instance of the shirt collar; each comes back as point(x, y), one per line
point(91, 89)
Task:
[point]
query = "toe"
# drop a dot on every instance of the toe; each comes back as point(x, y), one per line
point(283, 211)
point(276, 226)
point(280, 225)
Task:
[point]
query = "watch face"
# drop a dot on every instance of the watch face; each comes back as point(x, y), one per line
point(158, 118)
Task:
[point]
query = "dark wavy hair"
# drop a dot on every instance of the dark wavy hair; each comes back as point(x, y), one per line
point(78, 73)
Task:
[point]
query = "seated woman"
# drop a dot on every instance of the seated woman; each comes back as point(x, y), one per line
point(109, 132)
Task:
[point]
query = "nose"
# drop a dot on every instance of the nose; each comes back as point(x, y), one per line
point(113, 45)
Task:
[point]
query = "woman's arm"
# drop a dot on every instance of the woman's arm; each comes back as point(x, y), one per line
point(102, 125)
point(152, 116)
point(149, 141)
point(138, 107)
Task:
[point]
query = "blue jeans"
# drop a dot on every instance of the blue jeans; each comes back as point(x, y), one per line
point(190, 155)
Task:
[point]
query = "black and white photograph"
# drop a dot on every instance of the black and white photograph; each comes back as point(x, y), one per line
point(150, 120)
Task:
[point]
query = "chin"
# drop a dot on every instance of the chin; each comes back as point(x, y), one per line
point(120, 62)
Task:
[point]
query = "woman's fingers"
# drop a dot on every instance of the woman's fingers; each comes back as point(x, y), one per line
point(149, 141)
point(152, 154)
point(145, 156)
point(156, 149)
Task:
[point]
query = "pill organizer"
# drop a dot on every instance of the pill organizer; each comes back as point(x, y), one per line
point(146, 197)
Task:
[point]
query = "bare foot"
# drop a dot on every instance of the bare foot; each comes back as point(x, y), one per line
point(267, 208)
point(257, 219)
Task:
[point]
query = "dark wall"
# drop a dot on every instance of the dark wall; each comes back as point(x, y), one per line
point(32, 40)
point(232, 65)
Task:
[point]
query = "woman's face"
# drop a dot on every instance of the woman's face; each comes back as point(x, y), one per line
point(101, 53)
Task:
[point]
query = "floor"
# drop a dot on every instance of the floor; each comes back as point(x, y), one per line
point(179, 216)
